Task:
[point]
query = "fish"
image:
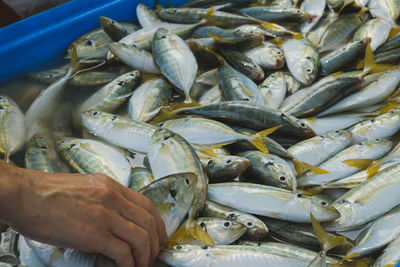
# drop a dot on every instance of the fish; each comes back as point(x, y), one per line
point(268, 169)
point(169, 154)
point(111, 96)
point(274, 89)
point(175, 60)
point(206, 132)
point(148, 100)
point(139, 178)
point(367, 201)
point(276, 14)
point(8, 247)
point(244, 64)
point(13, 128)
point(224, 168)
point(120, 131)
point(172, 197)
point(267, 56)
point(146, 16)
point(347, 162)
point(282, 204)
point(89, 156)
point(116, 30)
point(318, 149)
point(302, 60)
point(390, 256)
point(256, 229)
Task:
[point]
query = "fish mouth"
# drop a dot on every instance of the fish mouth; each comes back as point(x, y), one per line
point(242, 165)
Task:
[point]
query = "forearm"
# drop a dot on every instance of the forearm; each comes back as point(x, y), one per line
point(12, 180)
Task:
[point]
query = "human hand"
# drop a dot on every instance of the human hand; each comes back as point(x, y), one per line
point(92, 213)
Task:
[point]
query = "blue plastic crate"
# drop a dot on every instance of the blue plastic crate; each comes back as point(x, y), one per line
point(37, 41)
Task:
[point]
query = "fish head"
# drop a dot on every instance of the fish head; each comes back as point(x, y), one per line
point(275, 56)
point(161, 135)
point(229, 164)
point(390, 119)
point(320, 208)
point(39, 142)
point(6, 103)
point(161, 34)
point(256, 229)
point(348, 214)
point(68, 145)
point(284, 176)
point(298, 126)
point(98, 121)
point(128, 80)
point(307, 70)
point(109, 25)
point(340, 135)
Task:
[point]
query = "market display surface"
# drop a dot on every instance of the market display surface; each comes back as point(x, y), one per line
point(264, 132)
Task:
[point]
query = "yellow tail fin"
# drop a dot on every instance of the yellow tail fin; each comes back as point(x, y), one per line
point(299, 166)
point(219, 39)
point(189, 231)
point(373, 169)
point(326, 242)
point(315, 169)
point(358, 163)
point(257, 138)
point(207, 150)
point(394, 31)
point(369, 63)
point(209, 13)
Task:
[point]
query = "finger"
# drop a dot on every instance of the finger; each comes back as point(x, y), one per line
point(138, 238)
point(145, 203)
point(142, 218)
point(117, 250)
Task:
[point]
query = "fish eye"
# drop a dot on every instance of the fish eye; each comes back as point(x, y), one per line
point(173, 193)
point(164, 36)
point(279, 53)
point(202, 224)
point(112, 22)
point(391, 112)
point(302, 124)
point(309, 70)
point(377, 139)
point(228, 161)
point(265, 86)
point(167, 137)
point(174, 10)
point(1, 98)
point(1, 108)
point(282, 178)
point(337, 131)
point(249, 224)
point(161, 124)
point(205, 247)
point(178, 247)
point(227, 224)
point(323, 203)
point(341, 201)
point(132, 75)
point(283, 115)
point(187, 181)
point(298, 11)
point(373, 120)
point(246, 99)
point(95, 113)
point(211, 164)
point(360, 144)
point(121, 83)
point(88, 42)
point(231, 216)
point(72, 145)
point(300, 195)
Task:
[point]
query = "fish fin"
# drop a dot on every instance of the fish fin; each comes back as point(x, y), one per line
point(3, 154)
point(358, 163)
point(299, 166)
point(387, 107)
point(190, 230)
point(351, 256)
point(219, 39)
point(326, 242)
point(277, 42)
point(311, 119)
point(394, 31)
point(74, 64)
point(207, 150)
point(315, 169)
point(157, 5)
point(373, 169)
point(314, 190)
point(209, 13)
point(170, 112)
point(256, 139)
point(297, 35)
point(369, 63)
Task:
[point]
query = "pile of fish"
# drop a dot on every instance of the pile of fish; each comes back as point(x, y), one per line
point(264, 132)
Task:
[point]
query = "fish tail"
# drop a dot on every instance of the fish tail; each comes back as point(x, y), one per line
point(362, 11)
point(190, 230)
point(315, 169)
point(257, 138)
point(299, 166)
point(358, 163)
point(369, 63)
point(326, 242)
point(74, 64)
point(297, 35)
point(373, 169)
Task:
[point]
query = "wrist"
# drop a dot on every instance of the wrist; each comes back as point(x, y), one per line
point(12, 181)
